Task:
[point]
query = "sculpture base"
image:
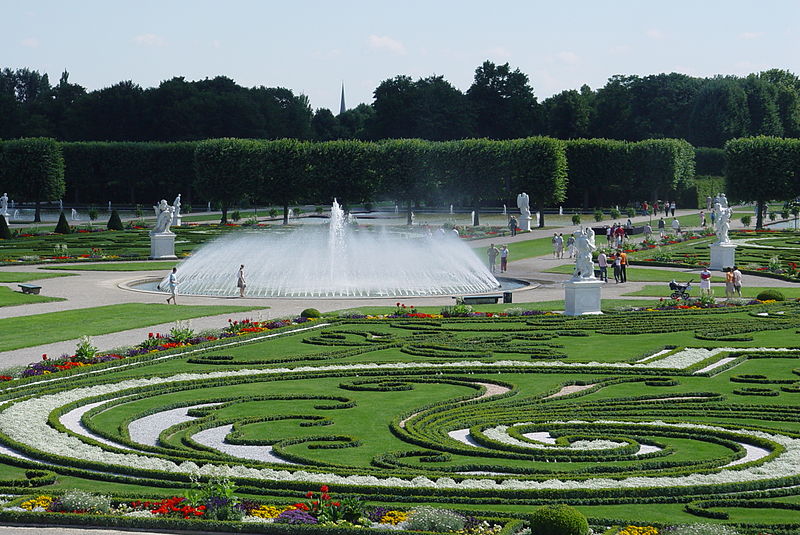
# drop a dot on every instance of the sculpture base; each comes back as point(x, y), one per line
point(582, 296)
point(162, 246)
point(176, 221)
point(723, 255)
point(525, 224)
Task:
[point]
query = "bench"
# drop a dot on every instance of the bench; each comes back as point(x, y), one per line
point(30, 288)
point(485, 299)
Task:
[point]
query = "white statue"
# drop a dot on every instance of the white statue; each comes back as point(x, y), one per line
point(584, 246)
point(176, 205)
point(722, 220)
point(164, 219)
point(4, 204)
point(524, 205)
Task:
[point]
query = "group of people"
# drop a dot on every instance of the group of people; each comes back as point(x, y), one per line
point(615, 234)
point(493, 252)
point(733, 282)
point(172, 283)
point(619, 262)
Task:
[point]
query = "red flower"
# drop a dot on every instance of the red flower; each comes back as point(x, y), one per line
point(324, 488)
point(44, 356)
point(336, 504)
point(309, 494)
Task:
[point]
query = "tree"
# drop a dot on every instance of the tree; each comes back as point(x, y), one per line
point(503, 102)
point(567, 115)
point(599, 171)
point(35, 169)
point(441, 111)
point(116, 113)
point(613, 109)
point(661, 166)
point(761, 169)
point(394, 102)
point(285, 172)
point(762, 107)
point(343, 169)
point(405, 171)
point(227, 170)
point(537, 165)
point(325, 126)
point(355, 122)
point(720, 113)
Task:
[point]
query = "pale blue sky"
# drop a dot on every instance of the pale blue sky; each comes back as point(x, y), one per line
point(312, 46)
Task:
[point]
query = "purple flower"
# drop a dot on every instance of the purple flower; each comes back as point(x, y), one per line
point(295, 516)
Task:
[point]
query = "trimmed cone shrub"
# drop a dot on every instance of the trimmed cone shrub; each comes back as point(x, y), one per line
point(310, 313)
point(771, 295)
point(114, 222)
point(558, 519)
point(62, 227)
point(5, 232)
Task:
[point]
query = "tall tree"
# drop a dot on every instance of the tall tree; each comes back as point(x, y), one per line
point(325, 126)
point(503, 102)
point(537, 166)
point(613, 109)
point(567, 115)
point(404, 171)
point(35, 167)
point(284, 172)
point(228, 170)
point(394, 102)
point(762, 107)
point(720, 113)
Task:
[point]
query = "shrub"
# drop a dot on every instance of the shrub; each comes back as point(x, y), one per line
point(598, 215)
point(236, 216)
point(703, 529)
point(576, 219)
point(5, 232)
point(62, 227)
point(93, 213)
point(427, 518)
point(80, 500)
point(631, 212)
point(114, 222)
point(746, 219)
point(615, 213)
point(310, 313)
point(558, 520)
point(771, 295)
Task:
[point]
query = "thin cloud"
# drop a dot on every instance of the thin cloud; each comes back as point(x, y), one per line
point(498, 52)
point(387, 43)
point(570, 58)
point(750, 35)
point(216, 43)
point(149, 39)
point(30, 42)
point(655, 33)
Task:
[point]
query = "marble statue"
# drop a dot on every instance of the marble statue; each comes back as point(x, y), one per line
point(523, 203)
point(164, 219)
point(722, 220)
point(176, 211)
point(584, 246)
point(4, 204)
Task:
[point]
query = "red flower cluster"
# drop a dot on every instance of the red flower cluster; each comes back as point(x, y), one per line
point(171, 507)
point(6, 378)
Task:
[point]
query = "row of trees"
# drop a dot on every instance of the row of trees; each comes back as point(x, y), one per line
point(500, 104)
point(411, 171)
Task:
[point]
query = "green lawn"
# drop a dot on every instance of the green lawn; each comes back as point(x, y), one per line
point(118, 266)
point(20, 276)
point(719, 291)
point(9, 297)
point(517, 250)
point(38, 329)
point(642, 274)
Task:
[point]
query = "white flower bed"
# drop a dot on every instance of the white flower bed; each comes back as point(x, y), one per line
point(26, 422)
point(500, 434)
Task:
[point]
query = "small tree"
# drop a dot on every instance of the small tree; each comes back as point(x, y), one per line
point(746, 219)
point(62, 227)
point(114, 221)
point(36, 168)
point(598, 215)
point(5, 232)
point(615, 213)
point(576, 219)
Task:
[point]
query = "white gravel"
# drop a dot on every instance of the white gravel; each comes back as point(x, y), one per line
point(72, 421)
point(215, 438)
point(145, 430)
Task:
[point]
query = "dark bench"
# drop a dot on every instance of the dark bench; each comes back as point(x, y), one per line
point(30, 288)
point(486, 299)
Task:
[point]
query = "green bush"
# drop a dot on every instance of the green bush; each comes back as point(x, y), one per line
point(558, 520)
point(576, 219)
point(771, 294)
point(615, 213)
point(114, 222)
point(746, 219)
point(5, 232)
point(598, 215)
point(80, 500)
point(310, 313)
point(62, 227)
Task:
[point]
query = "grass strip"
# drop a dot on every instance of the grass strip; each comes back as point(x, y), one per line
point(117, 266)
point(10, 298)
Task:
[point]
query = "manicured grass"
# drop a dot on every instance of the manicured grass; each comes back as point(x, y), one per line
point(719, 291)
point(21, 276)
point(8, 297)
point(643, 274)
point(517, 250)
point(118, 266)
point(28, 331)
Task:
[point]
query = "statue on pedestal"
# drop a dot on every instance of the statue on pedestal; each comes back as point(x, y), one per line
point(4, 204)
point(164, 212)
point(722, 220)
point(584, 246)
point(176, 210)
point(523, 203)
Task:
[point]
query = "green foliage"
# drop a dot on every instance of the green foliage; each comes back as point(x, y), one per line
point(771, 294)
point(709, 161)
point(81, 500)
point(85, 350)
point(5, 232)
point(598, 170)
point(537, 164)
point(558, 520)
point(599, 215)
point(114, 221)
point(34, 169)
point(310, 313)
point(631, 212)
point(576, 219)
point(93, 214)
point(661, 166)
point(746, 220)
point(236, 216)
point(62, 227)
point(615, 213)
point(433, 519)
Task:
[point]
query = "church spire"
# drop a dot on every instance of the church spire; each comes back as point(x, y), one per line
point(342, 107)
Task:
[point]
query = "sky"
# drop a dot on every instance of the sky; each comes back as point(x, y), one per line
point(313, 46)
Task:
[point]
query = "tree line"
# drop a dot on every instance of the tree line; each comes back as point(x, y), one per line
point(499, 104)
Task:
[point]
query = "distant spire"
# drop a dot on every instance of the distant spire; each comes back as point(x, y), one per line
point(342, 107)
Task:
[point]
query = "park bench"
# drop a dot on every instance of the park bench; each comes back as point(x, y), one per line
point(30, 288)
point(485, 299)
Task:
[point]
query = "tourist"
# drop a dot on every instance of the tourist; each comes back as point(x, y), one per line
point(623, 266)
point(655, 207)
point(661, 226)
point(728, 282)
point(619, 236)
point(672, 208)
point(512, 226)
point(737, 281)
point(676, 226)
point(240, 282)
point(705, 282)
point(602, 263)
point(503, 258)
point(571, 246)
point(492, 252)
point(702, 219)
point(560, 245)
point(648, 230)
point(617, 268)
point(708, 203)
point(713, 218)
point(666, 208)
point(173, 286)
point(608, 234)
point(554, 241)
point(629, 223)
point(645, 208)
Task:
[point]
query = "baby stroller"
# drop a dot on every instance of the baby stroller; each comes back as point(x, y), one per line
point(680, 291)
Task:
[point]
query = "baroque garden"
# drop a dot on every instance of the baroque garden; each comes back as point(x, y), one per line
point(655, 414)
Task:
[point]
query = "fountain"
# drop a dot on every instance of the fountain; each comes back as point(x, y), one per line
point(340, 261)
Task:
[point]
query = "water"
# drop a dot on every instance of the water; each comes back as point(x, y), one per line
point(337, 261)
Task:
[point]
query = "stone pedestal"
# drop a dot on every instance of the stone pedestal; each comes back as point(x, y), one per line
point(525, 223)
point(722, 255)
point(176, 221)
point(582, 296)
point(162, 246)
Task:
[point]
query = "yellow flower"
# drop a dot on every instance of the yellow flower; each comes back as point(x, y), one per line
point(40, 501)
point(394, 517)
point(269, 511)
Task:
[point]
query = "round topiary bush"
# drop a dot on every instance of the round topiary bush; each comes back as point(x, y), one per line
point(310, 313)
point(558, 519)
point(771, 295)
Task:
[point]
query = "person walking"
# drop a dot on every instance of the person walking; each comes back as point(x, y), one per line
point(661, 226)
point(602, 263)
point(623, 266)
point(560, 245)
point(728, 282)
point(705, 282)
point(672, 208)
point(512, 226)
point(240, 282)
point(702, 219)
point(617, 268)
point(737, 281)
point(503, 258)
point(492, 252)
point(608, 234)
point(571, 246)
point(666, 208)
point(173, 286)
point(676, 226)
point(554, 241)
